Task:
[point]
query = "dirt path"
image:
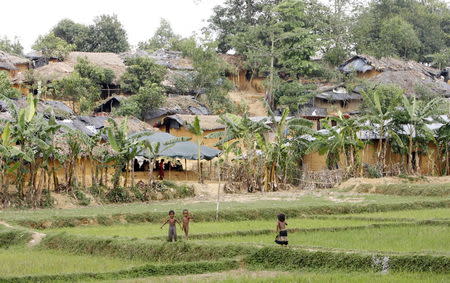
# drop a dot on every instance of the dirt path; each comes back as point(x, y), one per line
point(36, 237)
point(253, 100)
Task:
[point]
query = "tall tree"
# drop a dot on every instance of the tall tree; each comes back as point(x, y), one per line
point(52, 46)
point(73, 33)
point(234, 17)
point(108, 35)
point(163, 38)
point(384, 20)
point(6, 87)
point(9, 46)
point(280, 44)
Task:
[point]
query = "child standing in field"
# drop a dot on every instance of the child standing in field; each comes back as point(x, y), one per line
point(281, 238)
point(186, 219)
point(172, 228)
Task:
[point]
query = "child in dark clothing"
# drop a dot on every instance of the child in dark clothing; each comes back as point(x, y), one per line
point(172, 228)
point(281, 238)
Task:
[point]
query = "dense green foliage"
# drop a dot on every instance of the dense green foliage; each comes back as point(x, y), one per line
point(140, 71)
point(163, 38)
point(12, 47)
point(77, 89)
point(106, 34)
point(411, 29)
point(6, 88)
point(97, 74)
point(52, 46)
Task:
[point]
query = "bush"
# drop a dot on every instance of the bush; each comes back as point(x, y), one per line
point(81, 197)
point(119, 195)
point(10, 237)
point(373, 171)
point(47, 201)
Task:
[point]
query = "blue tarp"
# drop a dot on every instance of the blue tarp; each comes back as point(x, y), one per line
point(184, 149)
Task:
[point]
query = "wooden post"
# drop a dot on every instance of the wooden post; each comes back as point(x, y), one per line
point(218, 195)
point(210, 170)
point(185, 168)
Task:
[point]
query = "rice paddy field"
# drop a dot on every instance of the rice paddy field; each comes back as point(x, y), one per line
point(343, 238)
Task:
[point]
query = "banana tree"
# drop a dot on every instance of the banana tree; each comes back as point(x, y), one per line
point(379, 106)
point(341, 139)
point(411, 121)
point(126, 148)
point(10, 156)
point(196, 129)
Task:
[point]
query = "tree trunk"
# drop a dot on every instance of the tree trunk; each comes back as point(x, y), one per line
point(132, 173)
point(410, 154)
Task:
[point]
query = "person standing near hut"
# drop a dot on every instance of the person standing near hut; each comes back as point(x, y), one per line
point(161, 169)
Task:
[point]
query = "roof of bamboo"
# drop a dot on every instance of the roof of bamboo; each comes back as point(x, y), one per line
point(207, 122)
point(364, 63)
point(59, 70)
point(10, 62)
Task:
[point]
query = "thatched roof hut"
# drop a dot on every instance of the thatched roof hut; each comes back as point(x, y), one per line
point(412, 80)
point(409, 75)
point(364, 63)
point(207, 122)
point(10, 62)
point(109, 103)
point(173, 60)
point(179, 68)
point(59, 70)
point(177, 105)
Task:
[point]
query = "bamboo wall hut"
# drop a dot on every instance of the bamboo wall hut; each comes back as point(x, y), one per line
point(337, 99)
point(178, 125)
point(12, 64)
point(430, 162)
point(175, 104)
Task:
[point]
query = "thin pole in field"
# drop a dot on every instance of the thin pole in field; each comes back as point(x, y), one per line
point(218, 195)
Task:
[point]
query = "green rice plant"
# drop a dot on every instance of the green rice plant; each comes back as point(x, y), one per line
point(140, 249)
point(146, 270)
point(228, 213)
point(205, 229)
point(273, 257)
point(20, 261)
point(442, 190)
point(238, 210)
point(402, 215)
point(10, 237)
point(304, 276)
point(427, 239)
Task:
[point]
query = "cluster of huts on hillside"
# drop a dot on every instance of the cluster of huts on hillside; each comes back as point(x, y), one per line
point(181, 108)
